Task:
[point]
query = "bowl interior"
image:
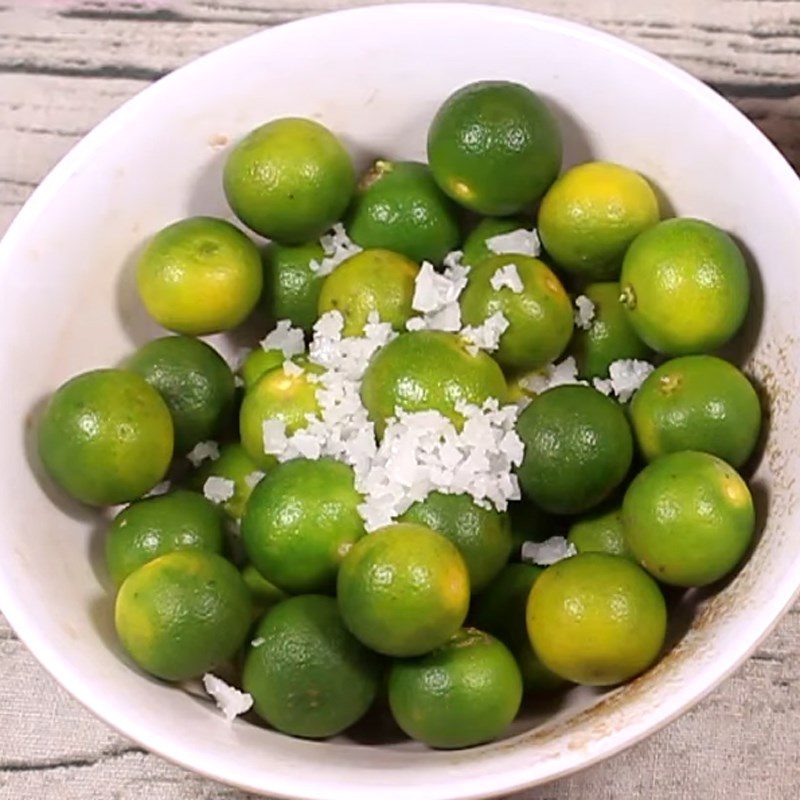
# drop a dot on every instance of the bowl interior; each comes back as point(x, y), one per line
point(375, 76)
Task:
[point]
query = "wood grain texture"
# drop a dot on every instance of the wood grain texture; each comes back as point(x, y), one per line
point(65, 64)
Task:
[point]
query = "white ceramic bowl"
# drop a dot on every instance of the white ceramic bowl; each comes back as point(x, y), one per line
point(376, 76)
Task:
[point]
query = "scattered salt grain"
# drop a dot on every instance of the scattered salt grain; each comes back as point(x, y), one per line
point(436, 296)
point(508, 277)
point(625, 376)
point(238, 381)
point(159, 489)
point(337, 247)
point(561, 374)
point(258, 641)
point(453, 259)
point(218, 490)
point(291, 369)
point(203, 451)
point(285, 338)
point(548, 552)
point(485, 336)
point(229, 700)
point(520, 242)
point(584, 312)
point(254, 478)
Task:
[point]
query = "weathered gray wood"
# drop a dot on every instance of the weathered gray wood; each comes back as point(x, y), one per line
point(64, 64)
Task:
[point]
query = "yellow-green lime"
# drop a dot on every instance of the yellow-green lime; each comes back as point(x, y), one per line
point(596, 619)
point(308, 675)
point(257, 362)
point(200, 275)
point(183, 614)
point(697, 403)
point(688, 518)
point(685, 286)
point(106, 437)
point(465, 692)
point(591, 214)
point(403, 590)
point(540, 316)
point(289, 180)
point(600, 531)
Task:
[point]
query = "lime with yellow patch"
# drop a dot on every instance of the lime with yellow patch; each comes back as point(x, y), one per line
point(403, 590)
point(199, 276)
point(688, 518)
point(685, 287)
point(235, 465)
point(183, 614)
point(257, 363)
point(540, 316)
point(106, 437)
point(591, 214)
point(289, 180)
point(596, 619)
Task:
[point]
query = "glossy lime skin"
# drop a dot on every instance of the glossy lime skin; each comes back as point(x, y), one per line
point(200, 275)
point(257, 363)
point(500, 610)
point(428, 370)
point(146, 529)
point(482, 535)
point(399, 207)
point(195, 382)
point(578, 448)
point(688, 518)
point(183, 614)
point(600, 531)
point(465, 692)
point(291, 286)
point(697, 403)
point(289, 180)
point(609, 338)
point(540, 316)
point(370, 281)
point(403, 590)
point(596, 619)
point(475, 248)
point(310, 677)
point(685, 287)
point(300, 522)
point(106, 437)
point(494, 147)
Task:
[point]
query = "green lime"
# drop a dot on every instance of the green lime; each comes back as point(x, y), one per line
point(154, 526)
point(183, 614)
point(591, 214)
point(372, 280)
point(685, 286)
point(540, 315)
point(277, 397)
point(263, 594)
point(195, 382)
point(257, 362)
point(697, 403)
point(308, 676)
point(601, 531)
point(289, 180)
point(200, 275)
point(482, 535)
point(529, 523)
point(403, 590)
point(610, 336)
point(596, 619)
point(399, 207)
point(465, 692)
point(233, 464)
point(578, 448)
point(494, 147)
point(291, 286)
point(300, 522)
point(500, 610)
point(475, 247)
point(106, 437)
point(428, 370)
point(688, 518)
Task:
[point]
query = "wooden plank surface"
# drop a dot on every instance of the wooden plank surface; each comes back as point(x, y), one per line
point(65, 64)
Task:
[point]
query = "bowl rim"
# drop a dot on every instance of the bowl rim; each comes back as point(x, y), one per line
point(495, 784)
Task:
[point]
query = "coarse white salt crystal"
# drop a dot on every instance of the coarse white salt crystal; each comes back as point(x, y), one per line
point(432, 290)
point(584, 312)
point(453, 259)
point(561, 374)
point(291, 369)
point(337, 247)
point(486, 336)
point(507, 277)
point(285, 338)
point(519, 242)
point(548, 552)
point(229, 700)
point(159, 489)
point(625, 376)
point(218, 490)
point(202, 451)
point(415, 324)
point(273, 432)
point(436, 296)
point(254, 478)
point(258, 641)
point(238, 381)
